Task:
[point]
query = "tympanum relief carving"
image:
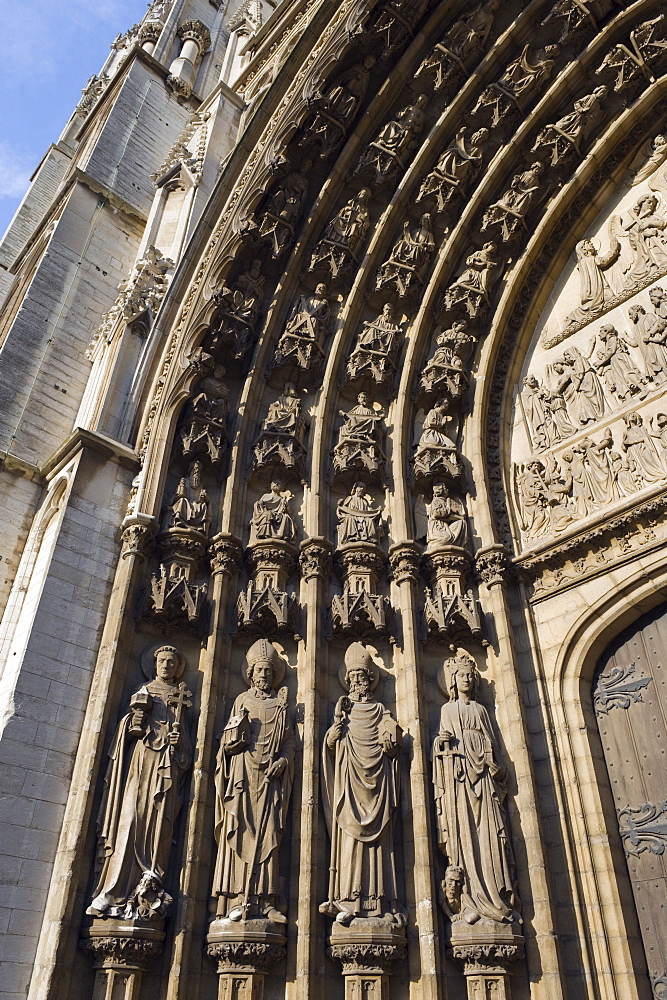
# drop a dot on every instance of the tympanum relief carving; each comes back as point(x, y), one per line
point(590, 429)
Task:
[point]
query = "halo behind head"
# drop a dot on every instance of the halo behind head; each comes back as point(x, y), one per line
point(266, 651)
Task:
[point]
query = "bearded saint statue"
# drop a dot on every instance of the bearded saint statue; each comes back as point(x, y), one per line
point(360, 789)
point(253, 782)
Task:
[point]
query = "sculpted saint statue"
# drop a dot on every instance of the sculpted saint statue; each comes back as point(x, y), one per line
point(455, 167)
point(358, 518)
point(360, 789)
point(271, 516)
point(189, 507)
point(469, 794)
point(349, 227)
point(253, 784)
point(284, 415)
point(148, 760)
point(305, 330)
point(446, 518)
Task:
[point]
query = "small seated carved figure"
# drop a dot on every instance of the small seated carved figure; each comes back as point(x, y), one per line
point(239, 305)
point(343, 237)
point(455, 169)
point(359, 439)
point(408, 258)
point(374, 352)
point(358, 518)
point(305, 331)
point(387, 154)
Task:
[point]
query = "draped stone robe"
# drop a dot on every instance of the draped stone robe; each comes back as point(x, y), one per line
point(472, 832)
point(242, 809)
point(141, 800)
point(360, 788)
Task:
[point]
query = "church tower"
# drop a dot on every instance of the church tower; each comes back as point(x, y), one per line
point(333, 451)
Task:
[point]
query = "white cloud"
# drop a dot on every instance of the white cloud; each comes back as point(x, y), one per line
point(15, 171)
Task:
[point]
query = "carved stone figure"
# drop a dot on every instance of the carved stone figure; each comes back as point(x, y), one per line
point(578, 15)
point(360, 790)
point(253, 782)
point(343, 236)
point(408, 258)
point(436, 451)
point(620, 375)
point(271, 515)
point(359, 520)
point(472, 288)
point(388, 153)
point(281, 439)
point(203, 429)
point(446, 519)
point(465, 38)
point(651, 341)
point(655, 160)
point(542, 500)
point(239, 304)
point(455, 169)
point(189, 507)
point(518, 84)
point(560, 393)
point(468, 780)
point(564, 136)
point(536, 401)
point(337, 108)
point(148, 759)
point(283, 209)
point(642, 457)
point(305, 331)
point(510, 212)
point(646, 51)
point(586, 403)
point(594, 289)
point(374, 352)
point(360, 439)
point(444, 372)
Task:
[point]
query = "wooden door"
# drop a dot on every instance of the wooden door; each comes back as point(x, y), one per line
point(630, 702)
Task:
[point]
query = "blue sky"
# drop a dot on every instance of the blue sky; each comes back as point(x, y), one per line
point(50, 49)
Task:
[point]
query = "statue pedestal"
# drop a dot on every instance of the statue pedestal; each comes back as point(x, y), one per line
point(244, 951)
point(122, 950)
point(366, 949)
point(486, 951)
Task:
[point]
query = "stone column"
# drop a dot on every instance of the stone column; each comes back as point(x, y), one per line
point(122, 952)
point(225, 553)
point(424, 955)
point(315, 563)
point(196, 40)
point(149, 33)
point(486, 959)
point(366, 957)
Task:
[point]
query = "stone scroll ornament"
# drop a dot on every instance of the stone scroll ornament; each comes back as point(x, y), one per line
point(478, 892)
point(360, 790)
point(143, 793)
point(253, 781)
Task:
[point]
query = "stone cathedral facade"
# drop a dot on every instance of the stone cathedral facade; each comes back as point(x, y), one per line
point(333, 438)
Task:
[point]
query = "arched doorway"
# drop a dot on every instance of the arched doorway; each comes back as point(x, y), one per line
point(630, 702)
